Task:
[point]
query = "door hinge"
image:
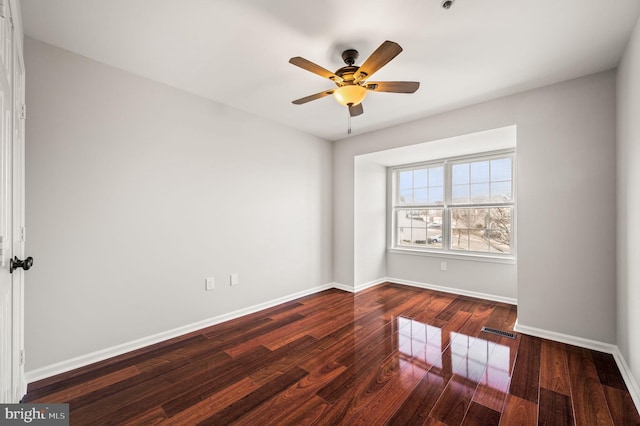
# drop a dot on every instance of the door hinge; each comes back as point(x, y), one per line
point(21, 356)
point(23, 112)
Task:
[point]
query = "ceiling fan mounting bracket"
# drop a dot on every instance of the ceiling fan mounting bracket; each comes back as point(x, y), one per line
point(350, 56)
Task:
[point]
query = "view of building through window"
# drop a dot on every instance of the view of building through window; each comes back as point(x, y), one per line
point(458, 205)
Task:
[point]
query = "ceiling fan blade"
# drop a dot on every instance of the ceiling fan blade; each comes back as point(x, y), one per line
point(313, 97)
point(379, 58)
point(355, 110)
point(393, 86)
point(314, 68)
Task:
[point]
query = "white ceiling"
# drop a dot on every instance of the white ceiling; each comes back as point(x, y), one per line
point(236, 51)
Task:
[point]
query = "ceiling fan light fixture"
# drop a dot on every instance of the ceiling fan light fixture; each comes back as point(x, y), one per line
point(351, 94)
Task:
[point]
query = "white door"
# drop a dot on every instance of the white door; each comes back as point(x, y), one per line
point(19, 384)
point(12, 383)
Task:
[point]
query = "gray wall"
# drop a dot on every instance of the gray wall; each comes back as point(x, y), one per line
point(629, 204)
point(566, 198)
point(137, 191)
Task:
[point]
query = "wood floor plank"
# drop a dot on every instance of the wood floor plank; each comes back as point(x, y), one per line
point(479, 415)
point(374, 350)
point(519, 412)
point(390, 354)
point(494, 386)
point(364, 388)
point(621, 407)
point(84, 374)
point(155, 416)
point(96, 384)
point(607, 369)
point(589, 401)
point(471, 356)
point(225, 377)
point(255, 398)
point(554, 373)
point(284, 404)
point(397, 391)
point(206, 408)
point(308, 413)
point(555, 409)
point(416, 408)
point(525, 380)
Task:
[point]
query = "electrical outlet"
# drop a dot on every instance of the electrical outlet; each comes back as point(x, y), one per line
point(233, 279)
point(443, 266)
point(210, 283)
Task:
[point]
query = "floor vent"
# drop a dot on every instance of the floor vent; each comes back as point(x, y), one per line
point(508, 334)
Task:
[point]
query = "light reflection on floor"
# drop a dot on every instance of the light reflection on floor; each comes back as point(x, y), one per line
point(482, 361)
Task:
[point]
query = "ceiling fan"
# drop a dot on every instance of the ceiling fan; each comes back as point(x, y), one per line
point(352, 80)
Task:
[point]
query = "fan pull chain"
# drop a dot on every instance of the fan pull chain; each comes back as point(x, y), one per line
point(349, 128)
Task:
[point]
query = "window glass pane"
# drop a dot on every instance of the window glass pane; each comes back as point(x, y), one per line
point(436, 176)
point(459, 218)
point(404, 236)
point(478, 241)
point(406, 196)
point(436, 195)
point(499, 232)
point(460, 194)
point(501, 191)
point(460, 239)
point(501, 169)
point(419, 236)
point(419, 228)
point(481, 230)
point(480, 172)
point(406, 179)
point(420, 196)
point(419, 218)
point(420, 178)
point(434, 228)
point(479, 192)
point(460, 174)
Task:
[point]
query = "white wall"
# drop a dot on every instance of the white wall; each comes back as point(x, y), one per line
point(566, 199)
point(628, 157)
point(137, 191)
point(370, 224)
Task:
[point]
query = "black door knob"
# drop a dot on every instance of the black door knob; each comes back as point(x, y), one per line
point(16, 263)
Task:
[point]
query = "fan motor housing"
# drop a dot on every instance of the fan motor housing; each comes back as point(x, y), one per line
point(346, 73)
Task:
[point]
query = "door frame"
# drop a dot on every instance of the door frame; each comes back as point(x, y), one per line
point(13, 384)
point(19, 383)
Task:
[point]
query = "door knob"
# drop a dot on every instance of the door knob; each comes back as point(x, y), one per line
point(16, 263)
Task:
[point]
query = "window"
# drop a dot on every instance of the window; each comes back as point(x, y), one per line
point(456, 205)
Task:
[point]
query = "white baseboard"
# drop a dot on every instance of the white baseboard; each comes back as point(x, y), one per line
point(343, 287)
point(565, 338)
point(360, 287)
point(595, 345)
point(101, 355)
point(629, 380)
point(495, 298)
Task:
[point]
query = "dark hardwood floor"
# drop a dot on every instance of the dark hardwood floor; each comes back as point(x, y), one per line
point(392, 355)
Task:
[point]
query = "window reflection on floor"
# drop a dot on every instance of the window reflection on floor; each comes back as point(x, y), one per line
point(420, 342)
point(474, 358)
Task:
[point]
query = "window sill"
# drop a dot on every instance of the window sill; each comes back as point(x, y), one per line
point(510, 260)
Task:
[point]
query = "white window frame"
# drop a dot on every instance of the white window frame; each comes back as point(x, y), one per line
point(447, 206)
